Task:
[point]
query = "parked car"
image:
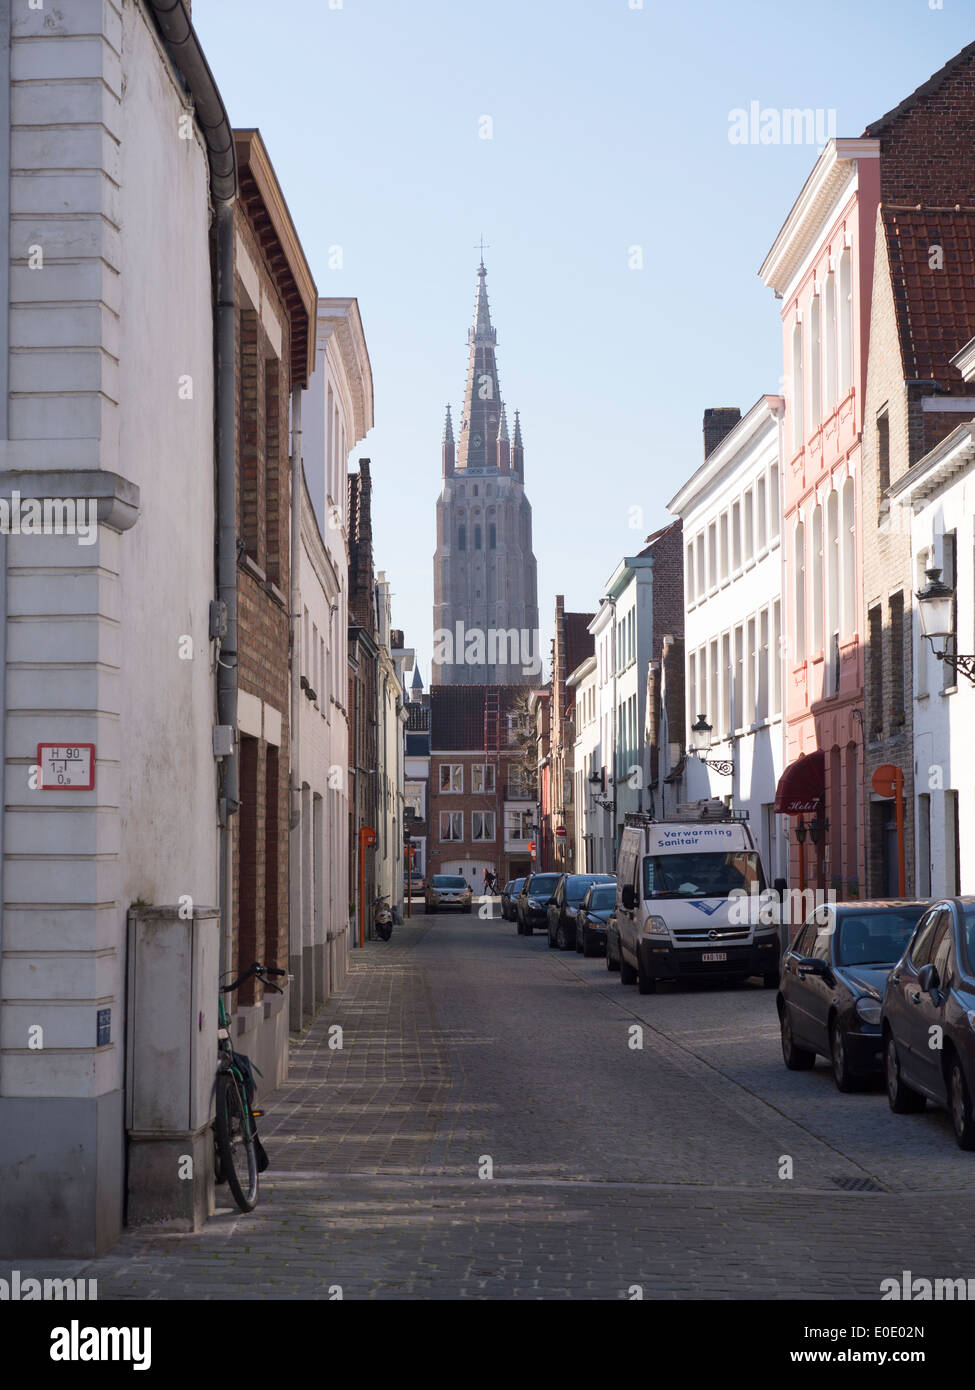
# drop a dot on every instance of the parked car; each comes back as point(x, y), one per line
point(832, 984)
point(509, 893)
point(928, 1018)
point(533, 900)
point(414, 885)
point(593, 916)
point(566, 901)
point(448, 890)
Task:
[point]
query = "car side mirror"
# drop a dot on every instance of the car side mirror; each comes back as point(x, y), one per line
point(628, 897)
point(928, 980)
point(812, 965)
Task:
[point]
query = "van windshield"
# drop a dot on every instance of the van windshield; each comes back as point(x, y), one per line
point(704, 875)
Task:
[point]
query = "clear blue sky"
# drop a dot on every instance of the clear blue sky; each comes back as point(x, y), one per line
point(610, 129)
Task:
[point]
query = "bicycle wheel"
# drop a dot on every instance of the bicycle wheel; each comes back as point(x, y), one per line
point(235, 1142)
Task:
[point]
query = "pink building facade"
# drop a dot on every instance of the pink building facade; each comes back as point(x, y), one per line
point(821, 267)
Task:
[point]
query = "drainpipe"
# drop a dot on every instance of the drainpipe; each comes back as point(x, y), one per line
point(296, 926)
point(173, 21)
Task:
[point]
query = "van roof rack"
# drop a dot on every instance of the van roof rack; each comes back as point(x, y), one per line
point(712, 809)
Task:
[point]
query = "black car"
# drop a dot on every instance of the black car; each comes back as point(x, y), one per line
point(566, 901)
point(928, 1018)
point(593, 916)
point(509, 893)
point(533, 900)
point(832, 984)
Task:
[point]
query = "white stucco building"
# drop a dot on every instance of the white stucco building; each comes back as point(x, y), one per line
point(587, 760)
point(337, 413)
point(731, 510)
point(106, 394)
point(937, 498)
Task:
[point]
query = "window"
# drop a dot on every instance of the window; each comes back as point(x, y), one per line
point(799, 564)
point(773, 500)
point(883, 454)
point(849, 560)
point(815, 365)
point(817, 593)
point(761, 519)
point(750, 673)
point(797, 423)
point(413, 797)
point(492, 536)
point(689, 567)
point(462, 538)
point(776, 657)
point(846, 323)
point(515, 827)
point(713, 699)
point(723, 547)
point(713, 554)
point(875, 663)
point(451, 825)
point(833, 586)
point(749, 528)
point(516, 782)
point(451, 777)
point(921, 647)
point(702, 578)
point(829, 334)
point(692, 710)
point(477, 537)
point(482, 777)
point(949, 575)
point(761, 711)
point(736, 536)
point(482, 825)
point(895, 632)
point(729, 675)
point(738, 712)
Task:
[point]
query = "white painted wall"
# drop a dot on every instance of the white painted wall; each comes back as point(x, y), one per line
point(717, 601)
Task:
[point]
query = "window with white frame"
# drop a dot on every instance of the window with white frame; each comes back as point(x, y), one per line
point(738, 701)
point(761, 516)
point(815, 364)
point(691, 690)
point(833, 584)
point(702, 576)
point(797, 402)
point(723, 546)
point(482, 825)
point(451, 777)
point(482, 777)
point(736, 536)
point(761, 712)
point(413, 797)
point(712, 554)
point(776, 657)
point(749, 527)
point(829, 338)
point(516, 825)
point(728, 676)
point(799, 593)
point(713, 683)
point(689, 569)
point(773, 500)
point(849, 559)
point(451, 825)
point(751, 660)
point(846, 323)
point(817, 578)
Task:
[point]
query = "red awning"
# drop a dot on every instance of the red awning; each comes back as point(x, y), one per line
point(802, 786)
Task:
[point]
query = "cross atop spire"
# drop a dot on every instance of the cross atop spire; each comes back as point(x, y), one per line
point(482, 249)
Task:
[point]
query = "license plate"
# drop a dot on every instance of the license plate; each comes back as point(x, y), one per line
point(714, 955)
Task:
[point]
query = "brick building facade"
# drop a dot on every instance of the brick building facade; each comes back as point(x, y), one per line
point(276, 301)
point(363, 703)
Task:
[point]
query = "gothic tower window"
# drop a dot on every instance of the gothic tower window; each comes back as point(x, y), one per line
point(477, 537)
point(462, 538)
point(492, 537)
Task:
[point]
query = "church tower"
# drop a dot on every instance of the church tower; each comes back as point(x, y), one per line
point(485, 595)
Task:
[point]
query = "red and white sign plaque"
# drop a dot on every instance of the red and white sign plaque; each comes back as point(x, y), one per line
point(66, 767)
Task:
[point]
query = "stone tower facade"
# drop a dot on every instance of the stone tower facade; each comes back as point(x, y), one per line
point(485, 607)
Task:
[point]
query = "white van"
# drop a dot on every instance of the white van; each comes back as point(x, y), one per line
point(691, 900)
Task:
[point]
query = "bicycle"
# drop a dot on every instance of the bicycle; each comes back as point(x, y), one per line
point(237, 1146)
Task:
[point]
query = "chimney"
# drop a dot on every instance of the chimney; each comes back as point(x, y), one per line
point(719, 420)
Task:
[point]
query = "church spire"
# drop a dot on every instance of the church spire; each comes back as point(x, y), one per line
point(518, 450)
point(448, 446)
point(504, 444)
point(482, 393)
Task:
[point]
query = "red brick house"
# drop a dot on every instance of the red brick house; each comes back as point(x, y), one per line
point(275, 305)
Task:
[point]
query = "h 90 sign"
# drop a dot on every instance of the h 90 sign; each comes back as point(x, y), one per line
point(66, 767)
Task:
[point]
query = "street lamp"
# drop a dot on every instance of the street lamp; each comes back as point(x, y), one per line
point(701, 747)
point(800, 831)
point(817, 828)
point(936, 615)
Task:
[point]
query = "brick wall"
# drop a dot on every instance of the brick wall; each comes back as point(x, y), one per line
point(926, 150)
point(668, 587)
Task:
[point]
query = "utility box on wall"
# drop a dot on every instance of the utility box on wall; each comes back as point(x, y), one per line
point(171, 1062)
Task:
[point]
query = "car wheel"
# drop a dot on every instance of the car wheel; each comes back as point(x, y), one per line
point(627, 973)
point(645, 983)
point(588, 946)
point(902, 1100)
point(961, 1107)
point(796, 1058)
point(842, 1075)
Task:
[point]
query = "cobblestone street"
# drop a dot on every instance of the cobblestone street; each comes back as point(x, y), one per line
point(614, 1167)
